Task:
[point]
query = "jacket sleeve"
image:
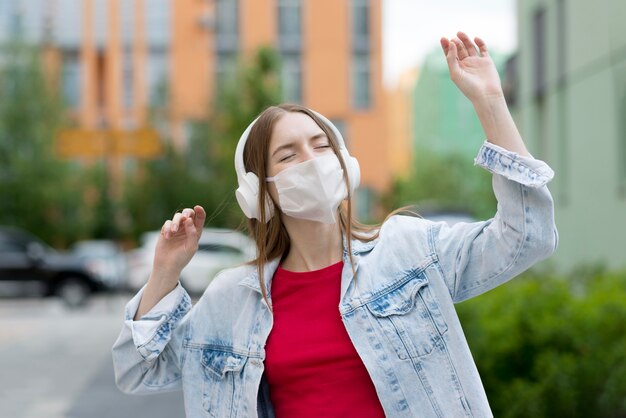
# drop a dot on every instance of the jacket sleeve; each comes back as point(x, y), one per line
point(476, 257)
point(148, 354)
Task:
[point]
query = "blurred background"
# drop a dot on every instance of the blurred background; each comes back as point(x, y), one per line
point(116, 113)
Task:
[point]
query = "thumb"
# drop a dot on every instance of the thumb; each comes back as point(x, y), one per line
point(191, 232)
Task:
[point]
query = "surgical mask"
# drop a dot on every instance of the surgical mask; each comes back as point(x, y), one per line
point(312, 189)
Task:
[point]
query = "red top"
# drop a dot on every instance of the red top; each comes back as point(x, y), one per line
point(311, 365)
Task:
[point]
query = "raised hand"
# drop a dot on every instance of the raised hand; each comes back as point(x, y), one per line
point(178, 241)
point(471, 67)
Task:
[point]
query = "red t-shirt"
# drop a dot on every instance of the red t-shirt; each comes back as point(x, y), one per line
point(312, 368)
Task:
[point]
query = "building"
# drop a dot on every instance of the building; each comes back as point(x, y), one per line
point(570, 105)
point(444, 120)
point(118, 60)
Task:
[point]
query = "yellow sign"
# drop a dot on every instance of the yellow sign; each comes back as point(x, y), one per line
point(143, 143)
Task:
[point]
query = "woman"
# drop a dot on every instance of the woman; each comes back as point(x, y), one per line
point(335, 319)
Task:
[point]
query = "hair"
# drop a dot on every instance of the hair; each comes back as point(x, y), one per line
point(271, 237)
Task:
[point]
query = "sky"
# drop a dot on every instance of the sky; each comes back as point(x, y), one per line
point(412, 28)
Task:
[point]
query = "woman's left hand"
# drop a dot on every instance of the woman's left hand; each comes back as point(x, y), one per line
point(471, 67)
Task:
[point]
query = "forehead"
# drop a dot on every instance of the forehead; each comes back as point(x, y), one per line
point(293, 126)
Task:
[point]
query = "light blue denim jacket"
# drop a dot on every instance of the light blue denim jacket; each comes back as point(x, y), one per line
point(398, 310)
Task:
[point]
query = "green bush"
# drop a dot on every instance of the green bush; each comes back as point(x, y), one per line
point(549, 346)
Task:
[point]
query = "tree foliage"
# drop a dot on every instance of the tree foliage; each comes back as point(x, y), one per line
point(203, 173)
point(440, 182)
point(38, 191)
point(547, 346)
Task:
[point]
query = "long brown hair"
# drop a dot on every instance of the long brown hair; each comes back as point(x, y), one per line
point(272, 240)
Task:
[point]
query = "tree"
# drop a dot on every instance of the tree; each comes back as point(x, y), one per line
point(39, 192)
point(443, 182)
point(203, 172)
point(550, 346)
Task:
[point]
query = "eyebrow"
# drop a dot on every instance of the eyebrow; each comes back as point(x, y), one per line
point(291, 144)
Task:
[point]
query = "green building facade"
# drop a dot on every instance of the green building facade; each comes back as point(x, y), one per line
point(569, 100)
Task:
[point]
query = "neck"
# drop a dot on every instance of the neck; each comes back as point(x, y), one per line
point(314, 245)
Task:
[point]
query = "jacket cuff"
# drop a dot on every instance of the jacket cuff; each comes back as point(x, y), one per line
point(153, 330)
point(524, 170)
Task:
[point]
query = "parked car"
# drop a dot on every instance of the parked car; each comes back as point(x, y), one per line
point(106, 259)
point(28, 265)
point(218, 249)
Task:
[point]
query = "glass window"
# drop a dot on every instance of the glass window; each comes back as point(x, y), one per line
point(100, 22)
point(157, 78)
point(70, 79)
point(127, 11)
point(32, 19)
point(226, 25)
point(291, 78)
point(361, 94)
point(128, 74)
point(360, 25)
point(158, 24)
point(289, 25)
point(67, 23)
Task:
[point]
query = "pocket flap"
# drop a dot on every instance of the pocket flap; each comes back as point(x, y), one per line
point(398, 301)
point(220, 362)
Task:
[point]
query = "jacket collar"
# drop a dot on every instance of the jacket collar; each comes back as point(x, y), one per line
point(251, 280)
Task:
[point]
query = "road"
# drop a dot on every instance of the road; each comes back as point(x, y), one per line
point(56, 363)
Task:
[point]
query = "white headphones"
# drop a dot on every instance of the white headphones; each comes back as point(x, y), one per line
point(248, 192)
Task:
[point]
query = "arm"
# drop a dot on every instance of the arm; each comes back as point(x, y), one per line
point(475, 74)
point(479, 256)
point(148, 354)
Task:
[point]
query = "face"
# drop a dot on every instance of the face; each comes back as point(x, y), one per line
point(296, 138)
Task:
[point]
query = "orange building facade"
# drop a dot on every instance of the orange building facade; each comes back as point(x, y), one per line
point(118, 60)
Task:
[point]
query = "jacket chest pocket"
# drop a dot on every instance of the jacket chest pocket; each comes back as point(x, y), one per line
point(222, 380)
point(409, 317)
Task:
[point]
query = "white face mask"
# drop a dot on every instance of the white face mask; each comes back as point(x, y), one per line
point(312, 189)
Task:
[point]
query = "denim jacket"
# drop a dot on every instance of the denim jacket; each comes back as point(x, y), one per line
point(398, 310)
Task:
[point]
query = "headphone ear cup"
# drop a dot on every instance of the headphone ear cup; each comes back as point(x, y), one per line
point(353, 169)
point(247, 195)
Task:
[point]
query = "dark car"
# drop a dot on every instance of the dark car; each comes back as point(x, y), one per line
point(27, 265)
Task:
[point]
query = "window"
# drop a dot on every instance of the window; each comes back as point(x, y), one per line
point(32, 19)
point(290, 47)
point(361, 95)
point(67, 23)
point(158, 23)
point(226, 25)
point(127, 11)
point(289, 25)
point(291, 77)
point(100, 22)
point(360, 25)
point(70, 79)
point(226, 41)
point(128, 74)
point(361, 58)
point(157, 78)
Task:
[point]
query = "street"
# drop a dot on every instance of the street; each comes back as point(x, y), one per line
point(56, 363)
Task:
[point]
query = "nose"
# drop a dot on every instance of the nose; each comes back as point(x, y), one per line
point(308, 153)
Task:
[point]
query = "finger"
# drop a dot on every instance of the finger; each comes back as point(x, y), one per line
point(200, 217)
point(451, 57)
point(467, 43)
point(176, 221)
point(462, 53)
point(188, 212)
point(445, 44)
point(192, 234)
point(482, 46)
point(165, 230)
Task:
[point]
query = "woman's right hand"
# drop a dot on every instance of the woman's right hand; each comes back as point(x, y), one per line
point(178, 242)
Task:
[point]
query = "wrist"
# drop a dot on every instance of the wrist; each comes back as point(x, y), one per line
point(489, 99)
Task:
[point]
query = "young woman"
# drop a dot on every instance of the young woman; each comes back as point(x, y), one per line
point(333, 318)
